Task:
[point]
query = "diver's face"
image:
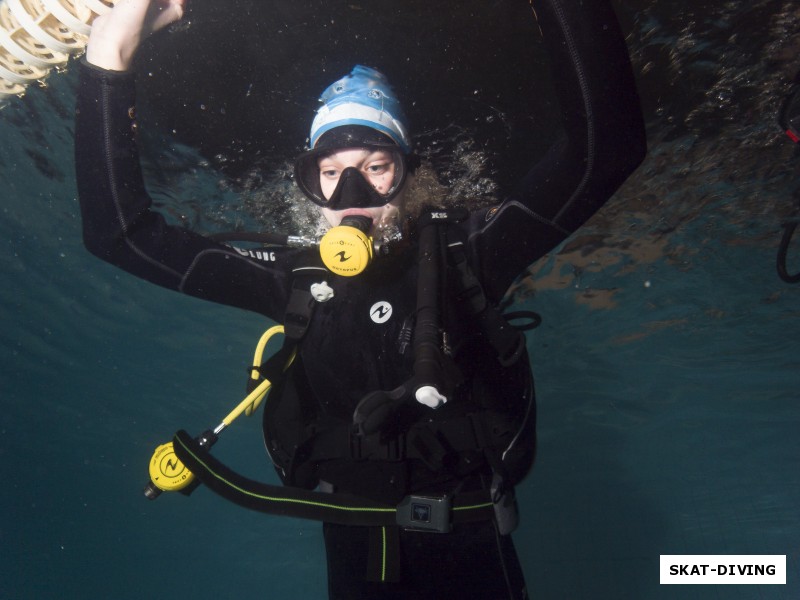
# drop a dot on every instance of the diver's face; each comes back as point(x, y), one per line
point(378, 169)
point(376, 166)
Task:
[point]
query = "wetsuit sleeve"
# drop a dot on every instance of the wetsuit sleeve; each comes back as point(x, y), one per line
point(603, 142)
point(120, 226)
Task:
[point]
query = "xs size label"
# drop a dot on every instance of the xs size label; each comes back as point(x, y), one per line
point(728, 569)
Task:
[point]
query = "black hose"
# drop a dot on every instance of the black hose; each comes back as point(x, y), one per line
point(783, 250)
point(273, 239)
point(392, 411)
point(427, 333)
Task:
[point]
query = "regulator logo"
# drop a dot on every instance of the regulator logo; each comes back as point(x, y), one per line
point(380, 312)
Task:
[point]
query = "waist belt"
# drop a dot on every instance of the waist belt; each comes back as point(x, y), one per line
point(431, 513)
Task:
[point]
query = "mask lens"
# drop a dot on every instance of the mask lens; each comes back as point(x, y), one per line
point(383, 173)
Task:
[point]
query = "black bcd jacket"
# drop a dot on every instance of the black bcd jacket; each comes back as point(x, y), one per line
point(346, 352)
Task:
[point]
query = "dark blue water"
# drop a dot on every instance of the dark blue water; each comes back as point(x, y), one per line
point(667, 364)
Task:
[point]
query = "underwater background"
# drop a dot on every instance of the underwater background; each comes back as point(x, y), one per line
point(667, 363)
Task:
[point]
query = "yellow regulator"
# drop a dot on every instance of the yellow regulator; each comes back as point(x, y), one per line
point(167, 472)
point(346, 250)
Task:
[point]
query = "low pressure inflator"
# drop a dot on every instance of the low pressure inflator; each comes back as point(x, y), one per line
point(167, 472)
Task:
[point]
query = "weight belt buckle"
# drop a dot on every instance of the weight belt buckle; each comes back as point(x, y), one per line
point(425, 513)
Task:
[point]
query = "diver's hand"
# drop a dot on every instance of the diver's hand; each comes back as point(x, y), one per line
point(116, 36)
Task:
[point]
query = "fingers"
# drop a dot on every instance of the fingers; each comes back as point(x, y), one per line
point(116, 36)
point(164, 13)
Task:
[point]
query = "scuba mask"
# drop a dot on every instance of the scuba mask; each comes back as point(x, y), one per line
point(353, 188)
point(359, 111)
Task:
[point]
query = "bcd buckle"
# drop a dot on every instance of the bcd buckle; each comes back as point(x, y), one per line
point(425, 513)
point(372, 447)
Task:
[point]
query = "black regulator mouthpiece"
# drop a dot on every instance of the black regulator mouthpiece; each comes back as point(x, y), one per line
point(360, 222)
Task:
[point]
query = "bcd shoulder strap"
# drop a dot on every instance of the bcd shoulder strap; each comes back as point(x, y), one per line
point(296, 319)
point(507, 342)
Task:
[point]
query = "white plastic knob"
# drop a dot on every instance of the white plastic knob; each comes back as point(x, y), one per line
point(430, 396)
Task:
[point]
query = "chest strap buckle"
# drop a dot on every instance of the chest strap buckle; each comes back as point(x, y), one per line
point(425, 513)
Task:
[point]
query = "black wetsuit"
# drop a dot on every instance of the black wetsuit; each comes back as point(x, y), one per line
point(351, 346)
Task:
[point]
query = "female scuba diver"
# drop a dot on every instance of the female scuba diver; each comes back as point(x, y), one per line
point(409, 388)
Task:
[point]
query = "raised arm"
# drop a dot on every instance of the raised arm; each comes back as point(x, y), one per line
point(117, 35)
point(119, 224)
point(602, 144)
